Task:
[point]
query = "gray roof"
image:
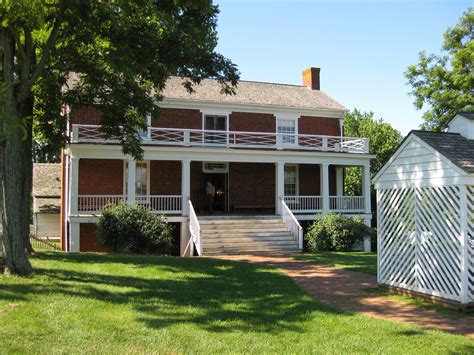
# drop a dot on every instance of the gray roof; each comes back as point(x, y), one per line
point(468, 115)
point(253, 93)
point(46, 180)
point(46, 205)
point(453, 146)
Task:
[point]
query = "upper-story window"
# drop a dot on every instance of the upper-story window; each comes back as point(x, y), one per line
point(215, 123)
point(144, 133)
point(287, 130)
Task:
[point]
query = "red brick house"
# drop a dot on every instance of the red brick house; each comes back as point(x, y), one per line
point(274, 152)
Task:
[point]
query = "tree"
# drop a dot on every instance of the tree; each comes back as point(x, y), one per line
point(120, 51)
point(444, 83)
point(384, 141)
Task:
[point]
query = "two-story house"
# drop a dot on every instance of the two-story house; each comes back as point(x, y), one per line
point(274, 153)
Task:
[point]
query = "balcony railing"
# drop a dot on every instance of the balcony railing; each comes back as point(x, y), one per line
point(230, 139)
point(312, 204)
point(163, 204)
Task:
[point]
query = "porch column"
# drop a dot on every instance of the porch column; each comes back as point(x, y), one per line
point(185, 186)
point(324, 170)
point(366, 188)
point(339, 181)
point(279, 185)
point(132, 176)
point(74, 241)
point(74, 199)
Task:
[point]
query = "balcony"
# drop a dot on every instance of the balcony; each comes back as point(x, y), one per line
point(230, 139)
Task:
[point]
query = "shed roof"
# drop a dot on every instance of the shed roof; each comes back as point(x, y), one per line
point(253, 93)
point(46, 180)
point(458, 149)
point(468, 115)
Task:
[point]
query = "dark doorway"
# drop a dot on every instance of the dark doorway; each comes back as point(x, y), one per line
point(220, 182)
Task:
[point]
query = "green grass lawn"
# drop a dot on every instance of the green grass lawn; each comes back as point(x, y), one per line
point(355, 261)
point(118, 304)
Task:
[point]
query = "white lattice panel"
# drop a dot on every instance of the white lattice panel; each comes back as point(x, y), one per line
point(421, 240)
point(470, 239)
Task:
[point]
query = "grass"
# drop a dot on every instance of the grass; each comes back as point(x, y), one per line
point(355, 261)
point(119, 304)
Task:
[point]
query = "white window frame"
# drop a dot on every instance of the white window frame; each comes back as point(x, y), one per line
point(297, 182)
point(145, 134)
point(280, 139)
point(205, 113)
point(125, 179)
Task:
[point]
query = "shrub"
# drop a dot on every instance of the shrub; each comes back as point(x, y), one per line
point(133, 229)
point(336, 232)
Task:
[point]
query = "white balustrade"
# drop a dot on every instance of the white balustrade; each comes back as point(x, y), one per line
point(195, 229)
point(95, 203)
point(301, 204)
point(292, 223)
point(346, 203)
point(165, 204)
point(232, 139)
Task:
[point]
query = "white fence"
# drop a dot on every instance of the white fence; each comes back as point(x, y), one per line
point(346, 203)
point(165, 204)
point(301, 204)
point(426, 240)
point(195, 229)
point(231, 139)
point(292, 224)
point(312, 204)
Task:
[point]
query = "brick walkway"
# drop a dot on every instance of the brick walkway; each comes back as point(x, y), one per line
point(344, 289)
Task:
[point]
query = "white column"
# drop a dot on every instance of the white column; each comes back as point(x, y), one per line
point(279, 185)
point(324, 170)
point(339, 181)
point(73, 204)
point(74, 242)
point(366, 188)
point(132, 176)
point(185, 186)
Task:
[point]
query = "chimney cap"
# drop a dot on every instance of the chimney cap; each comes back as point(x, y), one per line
point(311, 78)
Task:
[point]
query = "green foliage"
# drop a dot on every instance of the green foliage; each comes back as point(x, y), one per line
point(443, 83)
point(384, 141)
point(133, 229)
point(336, 232)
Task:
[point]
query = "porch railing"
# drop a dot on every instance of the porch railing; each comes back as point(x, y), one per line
point(230, 139)
point(195, 229)
point(300, 204)
point(292, 223)
point(346, 203)
point(165, 204)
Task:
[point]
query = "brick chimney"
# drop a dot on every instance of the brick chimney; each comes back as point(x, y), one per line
point(311, 78)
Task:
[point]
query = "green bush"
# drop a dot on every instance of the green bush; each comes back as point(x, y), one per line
point(133, 229)
point(336, 232)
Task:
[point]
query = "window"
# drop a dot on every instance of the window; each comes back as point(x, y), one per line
point(141, 178)
point(291, 180)
point(143, 134)
point(287, 128)
point(215, 123)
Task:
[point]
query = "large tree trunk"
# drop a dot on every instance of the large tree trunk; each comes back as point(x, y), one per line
point(16, 167)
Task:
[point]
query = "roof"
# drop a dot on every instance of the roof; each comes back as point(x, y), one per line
point(458, 149)
point(253, 93)
point(46, 180)
point(46, 205)
point(468, 115)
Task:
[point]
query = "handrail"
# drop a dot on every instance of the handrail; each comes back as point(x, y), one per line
point(292, 223)
point(231, 139)
point(195, 229)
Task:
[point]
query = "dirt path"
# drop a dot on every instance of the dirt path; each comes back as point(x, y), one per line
point(346, 290)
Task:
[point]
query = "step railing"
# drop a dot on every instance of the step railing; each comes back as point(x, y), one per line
point(195, 229)
point(292, 223)
point(230, 139)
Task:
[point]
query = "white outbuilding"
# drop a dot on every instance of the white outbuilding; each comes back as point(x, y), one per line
point(425, 213)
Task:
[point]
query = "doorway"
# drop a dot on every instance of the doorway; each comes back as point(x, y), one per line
point(221, 183)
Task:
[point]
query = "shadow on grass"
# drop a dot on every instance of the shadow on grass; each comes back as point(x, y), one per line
point(216, 295)
point(354, 261)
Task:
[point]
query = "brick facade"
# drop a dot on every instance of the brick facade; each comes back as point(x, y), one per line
point(319, 126)
point(85, 115)
point(309, 179)
point(252, 122)
point(101, 177)
point(178, 118)
point(165, 177)
point(88, 238)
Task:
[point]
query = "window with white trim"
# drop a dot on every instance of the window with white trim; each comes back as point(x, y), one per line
point(287, 128)
point(144, 133)
point(141, 178)
point(291, 180)
point(215, 123)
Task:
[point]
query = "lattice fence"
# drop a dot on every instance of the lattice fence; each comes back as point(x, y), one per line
point(426, 240)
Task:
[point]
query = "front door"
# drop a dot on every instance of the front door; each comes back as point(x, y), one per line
point(219, 180)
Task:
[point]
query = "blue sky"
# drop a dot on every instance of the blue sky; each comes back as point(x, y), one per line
point(362, 47)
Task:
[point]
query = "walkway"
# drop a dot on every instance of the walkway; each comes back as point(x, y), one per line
point(346, 290)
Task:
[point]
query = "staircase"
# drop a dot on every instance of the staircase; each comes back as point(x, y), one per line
point(223, 235)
